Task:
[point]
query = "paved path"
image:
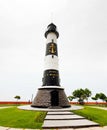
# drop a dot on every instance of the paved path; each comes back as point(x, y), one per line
point(89, 128)
point(5, 107)
point(28, 107)
point(103, 108)
point(66, 119)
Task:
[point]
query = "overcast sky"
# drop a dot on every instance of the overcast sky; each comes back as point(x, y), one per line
point(82, 45)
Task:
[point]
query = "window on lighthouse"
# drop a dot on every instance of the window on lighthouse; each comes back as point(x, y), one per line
point(52, 56)
point(52, 40)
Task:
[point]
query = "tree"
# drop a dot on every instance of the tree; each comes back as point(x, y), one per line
point(102, 96)
point(81, 95)
point(87, 93)
point(17, 97)
point(70, 98)
point(96, 97)
point(106, 100)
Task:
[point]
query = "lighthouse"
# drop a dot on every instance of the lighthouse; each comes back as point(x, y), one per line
point(51, 94)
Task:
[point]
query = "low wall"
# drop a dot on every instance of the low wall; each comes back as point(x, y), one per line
point(12, 102)
point(91, 103)
point(23, 102)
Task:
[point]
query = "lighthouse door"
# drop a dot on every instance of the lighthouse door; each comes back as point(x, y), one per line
point(54, 98)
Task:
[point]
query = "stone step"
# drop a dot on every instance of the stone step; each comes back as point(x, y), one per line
point(49, 124)
point(63, 117)
point(60, 113)
point(66, 119)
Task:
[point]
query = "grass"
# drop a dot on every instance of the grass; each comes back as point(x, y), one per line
point(6, 105)
point(94, 114)
point(16, 118)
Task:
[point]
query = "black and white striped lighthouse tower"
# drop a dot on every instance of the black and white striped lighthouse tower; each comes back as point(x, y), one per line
point(51, 94)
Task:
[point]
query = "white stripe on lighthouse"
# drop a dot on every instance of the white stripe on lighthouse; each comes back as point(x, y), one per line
point(51, 36)
point(51, 62)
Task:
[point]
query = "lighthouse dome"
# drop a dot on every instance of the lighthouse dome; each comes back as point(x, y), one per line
point(51, 28)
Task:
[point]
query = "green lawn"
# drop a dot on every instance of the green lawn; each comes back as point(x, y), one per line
point(94, 114)
point(6, 105)
point(14, 117)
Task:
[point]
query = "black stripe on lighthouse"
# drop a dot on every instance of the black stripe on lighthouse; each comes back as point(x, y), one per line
point(51, 49)
point(51, 78)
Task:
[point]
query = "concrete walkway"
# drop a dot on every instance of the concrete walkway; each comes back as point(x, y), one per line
point(5, 107)
point(89, 128)
point(66, 119)
point(103, 108)
point(28, 107)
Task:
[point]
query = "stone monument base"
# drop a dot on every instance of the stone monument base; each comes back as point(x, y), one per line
point(29, 108)
point(52, 97)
